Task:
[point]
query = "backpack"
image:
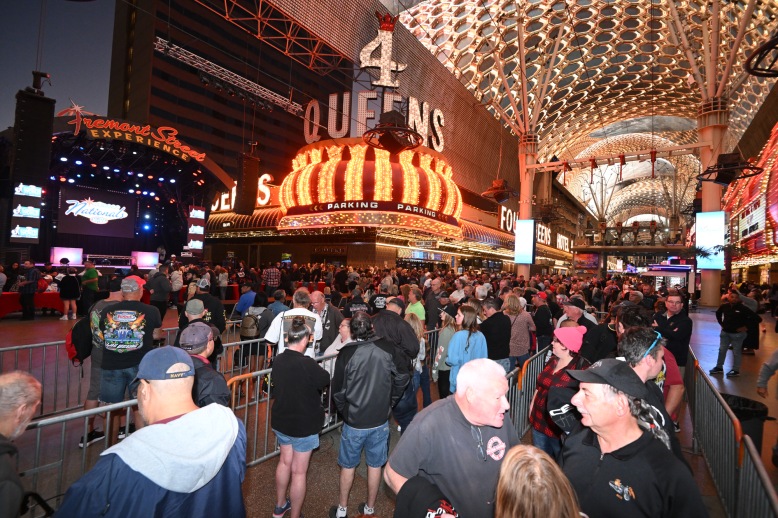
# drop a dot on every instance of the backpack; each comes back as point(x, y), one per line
point(78, 342)
point(249, 327)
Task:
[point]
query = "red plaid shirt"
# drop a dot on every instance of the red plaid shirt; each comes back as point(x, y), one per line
point(539, 417)
point(272, 276)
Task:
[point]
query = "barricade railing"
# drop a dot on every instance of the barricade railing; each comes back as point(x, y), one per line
point(50, 460)
point(64, 387)
point(521, 387)
point(717, 432)
point(756, 495)
point(250, 397)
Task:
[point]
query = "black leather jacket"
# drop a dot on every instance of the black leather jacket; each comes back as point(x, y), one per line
point(369, 379)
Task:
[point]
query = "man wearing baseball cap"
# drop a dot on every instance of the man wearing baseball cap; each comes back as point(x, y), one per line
point(187, 461)
point(129, 329)
point(195, 312)
point(575, 310)
point(214, 309)
point(617, 463)
point(209, 386)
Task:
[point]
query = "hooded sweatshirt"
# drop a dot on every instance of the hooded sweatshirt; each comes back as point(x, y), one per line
point(192, 466)
point(11, 492)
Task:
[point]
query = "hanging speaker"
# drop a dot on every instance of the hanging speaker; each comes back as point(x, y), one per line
point(248, 179)
point(33, 126)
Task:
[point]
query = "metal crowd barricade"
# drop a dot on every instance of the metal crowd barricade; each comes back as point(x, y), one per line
point(64, 386)
point(250, 399)
point(717, 432)
point(521, 387)
point(241, 357)
point(49, 458)
point(756, 495)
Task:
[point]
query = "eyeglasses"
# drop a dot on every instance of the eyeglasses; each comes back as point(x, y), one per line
point(476, 433)
point(656, 341)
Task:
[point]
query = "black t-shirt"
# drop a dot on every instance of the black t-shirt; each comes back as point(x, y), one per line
point(542, 318)
point(128, 333)
point(298, 381)
point(377, 302)
point(497, 331)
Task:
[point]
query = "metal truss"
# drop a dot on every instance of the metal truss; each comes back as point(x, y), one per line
point(268, 24)
point(224, 75)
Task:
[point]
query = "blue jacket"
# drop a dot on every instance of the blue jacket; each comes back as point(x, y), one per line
point(193, 466)
point(462, 348)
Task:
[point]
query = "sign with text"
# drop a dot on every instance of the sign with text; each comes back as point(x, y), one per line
point(96, 213)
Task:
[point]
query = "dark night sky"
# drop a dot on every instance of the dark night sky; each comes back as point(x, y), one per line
point(76, 52)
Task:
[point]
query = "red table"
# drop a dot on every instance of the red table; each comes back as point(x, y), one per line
point(9, 301)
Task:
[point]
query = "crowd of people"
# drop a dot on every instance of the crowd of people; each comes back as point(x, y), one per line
point(604, 415)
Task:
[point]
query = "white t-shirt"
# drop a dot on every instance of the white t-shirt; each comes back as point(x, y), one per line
point(275, 333)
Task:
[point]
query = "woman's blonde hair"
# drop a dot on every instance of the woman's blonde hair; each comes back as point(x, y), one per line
point(512, 305)
point(532, 485)
point(416, 324)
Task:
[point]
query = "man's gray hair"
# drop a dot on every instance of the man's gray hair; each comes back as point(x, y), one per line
point(481, 291)
point(477, 373)
point(301, 298)
point(16, 389)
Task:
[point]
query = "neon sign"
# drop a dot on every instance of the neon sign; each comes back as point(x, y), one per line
point(163, 138)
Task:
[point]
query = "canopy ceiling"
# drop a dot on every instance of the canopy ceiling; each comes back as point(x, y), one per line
point(605, 77)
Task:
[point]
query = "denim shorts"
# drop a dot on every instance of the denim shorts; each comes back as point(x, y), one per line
point(114, 384)
point(375, 442)
point(299, 444)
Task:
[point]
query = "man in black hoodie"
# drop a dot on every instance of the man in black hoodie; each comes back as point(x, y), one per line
point(20, 394)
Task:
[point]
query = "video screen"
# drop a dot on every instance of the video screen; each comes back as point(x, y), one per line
point(524, 251)
point(96, 213)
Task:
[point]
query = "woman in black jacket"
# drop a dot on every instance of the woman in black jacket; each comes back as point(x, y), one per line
point(69, 292)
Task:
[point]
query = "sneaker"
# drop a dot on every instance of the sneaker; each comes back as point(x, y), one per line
point(64, 317)
point(123, 431)
point(716, 370)
point(91, 437)
point(73, 317)
point(364, 509)
point(279, 512)
point(733, 374)
point(334, 512)
point(749, 352)
point(676, 427)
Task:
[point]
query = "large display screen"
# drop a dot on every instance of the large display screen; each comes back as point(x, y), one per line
point(524, 252)
point(710, 227)
point(96, 213)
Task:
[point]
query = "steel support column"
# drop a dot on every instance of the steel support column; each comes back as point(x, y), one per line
point(528, 155)
point(712, 122)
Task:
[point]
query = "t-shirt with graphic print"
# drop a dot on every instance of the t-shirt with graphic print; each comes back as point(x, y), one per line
point(128, 333)
point(463, 460)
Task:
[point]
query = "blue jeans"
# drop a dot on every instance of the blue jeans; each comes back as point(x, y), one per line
point(422, 380)
point(550, 445)
point(406, 408)
point(518, 361)
point(736, 339)
point(375, 442)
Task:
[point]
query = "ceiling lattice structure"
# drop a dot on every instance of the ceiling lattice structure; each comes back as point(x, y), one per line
point(615, 195)
point(595, 71)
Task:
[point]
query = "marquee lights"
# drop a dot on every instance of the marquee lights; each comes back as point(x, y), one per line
point(383, 175)
point(327, 174)
point(354, 172)
point(411, 190)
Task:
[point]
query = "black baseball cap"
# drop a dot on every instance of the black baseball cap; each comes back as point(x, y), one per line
point(577, 303)
point(615, 373)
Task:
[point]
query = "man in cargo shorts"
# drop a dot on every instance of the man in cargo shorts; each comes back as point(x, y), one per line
point(96, 365)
